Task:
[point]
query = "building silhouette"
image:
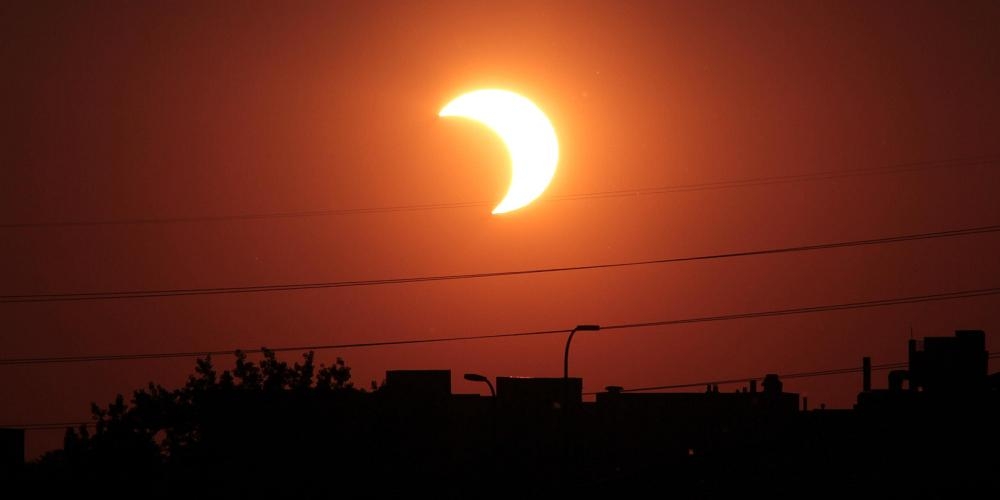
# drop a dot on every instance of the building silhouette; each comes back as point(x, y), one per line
point(929, 434)
point(944, 374)
point(11, 453)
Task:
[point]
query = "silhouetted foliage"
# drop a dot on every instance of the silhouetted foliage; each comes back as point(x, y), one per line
point(270, 429)
point(158, 426)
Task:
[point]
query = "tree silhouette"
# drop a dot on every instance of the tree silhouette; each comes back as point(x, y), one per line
point(162, 432)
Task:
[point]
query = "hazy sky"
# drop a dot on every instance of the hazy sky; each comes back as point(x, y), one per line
point(119, 111)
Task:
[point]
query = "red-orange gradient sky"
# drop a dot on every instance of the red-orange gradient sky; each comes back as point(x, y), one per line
point(137, 110)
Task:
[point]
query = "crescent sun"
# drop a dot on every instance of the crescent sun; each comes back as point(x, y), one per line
point(527, 133)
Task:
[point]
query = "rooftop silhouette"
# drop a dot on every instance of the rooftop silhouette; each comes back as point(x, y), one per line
point(269, 428)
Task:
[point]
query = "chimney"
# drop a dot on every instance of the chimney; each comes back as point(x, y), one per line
point(866, 380)
point(753, 386)
point(805, 403)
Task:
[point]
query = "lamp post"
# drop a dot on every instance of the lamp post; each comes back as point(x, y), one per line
point(578, 328)
point(567, 430)
point(475, 377)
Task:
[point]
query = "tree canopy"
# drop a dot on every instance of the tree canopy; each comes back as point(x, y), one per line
point(160, 430)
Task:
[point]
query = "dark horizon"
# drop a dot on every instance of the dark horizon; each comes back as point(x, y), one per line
point(266, 428)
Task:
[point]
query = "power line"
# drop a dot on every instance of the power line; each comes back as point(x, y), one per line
point(822, 373)
point(194, 354)
point(48, 425)
point(136, 294)
point(823, 308)
point(783, 179)
point(783, 376)
point(753, 181)
point(55, 428)
point(963, 294)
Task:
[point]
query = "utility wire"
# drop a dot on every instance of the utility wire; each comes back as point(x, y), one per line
point(136, 294)
point(963, 294)
point(48, 425)
point(823, 308)
point(782, 179)
point(783, 376)
point(753, 181)
point(822, 373)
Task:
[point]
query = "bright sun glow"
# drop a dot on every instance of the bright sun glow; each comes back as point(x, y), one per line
point(530, 139)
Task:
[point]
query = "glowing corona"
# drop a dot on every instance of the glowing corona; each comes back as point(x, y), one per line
point(527, 133)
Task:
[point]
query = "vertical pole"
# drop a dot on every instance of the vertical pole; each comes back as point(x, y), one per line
point(566, 356)
point(866, 380)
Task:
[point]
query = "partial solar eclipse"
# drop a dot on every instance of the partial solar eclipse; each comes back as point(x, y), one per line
point(527, 133)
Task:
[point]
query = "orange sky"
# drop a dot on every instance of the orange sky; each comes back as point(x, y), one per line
point(117, 110)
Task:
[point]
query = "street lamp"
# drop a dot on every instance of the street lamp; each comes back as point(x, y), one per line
point(475, 377)
point(578, 328)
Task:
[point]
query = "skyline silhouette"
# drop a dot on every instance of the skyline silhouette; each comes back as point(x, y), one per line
point(273, 421)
